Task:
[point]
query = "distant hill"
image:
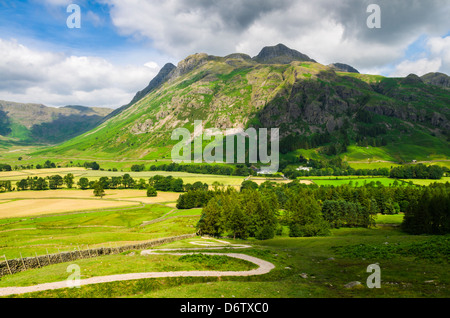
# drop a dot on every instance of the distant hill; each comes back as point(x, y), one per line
point(438, 79)
point(39, 124)
point(343, 68)
point(320, 110)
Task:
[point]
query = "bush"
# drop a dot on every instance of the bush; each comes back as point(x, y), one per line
point(151, 192)
point(318, 228)
point(267, 232)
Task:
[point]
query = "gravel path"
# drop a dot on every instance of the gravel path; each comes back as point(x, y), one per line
point(264, 267)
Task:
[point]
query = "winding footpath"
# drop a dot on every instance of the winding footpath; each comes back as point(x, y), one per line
point(264, 267)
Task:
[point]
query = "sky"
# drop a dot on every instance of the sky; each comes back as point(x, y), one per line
point(122, 44)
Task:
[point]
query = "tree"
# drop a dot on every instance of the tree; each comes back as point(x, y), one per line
point(127, 181)
point(151, 192)
point(40, 184)
point(48, 164)
point(304, 216)
point(83, 183)
point(22, 184)
point(68, 180)
point(211, 221)
point(115, 182)
point(249, 185)
point(99, 191)
point(137, 168)
point(176, 185)
point(55, 181)
point(104, 182)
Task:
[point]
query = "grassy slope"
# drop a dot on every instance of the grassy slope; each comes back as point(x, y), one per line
point(217, 85)
point(326, 272)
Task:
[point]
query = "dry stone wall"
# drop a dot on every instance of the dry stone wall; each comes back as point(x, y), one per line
point(13, 266)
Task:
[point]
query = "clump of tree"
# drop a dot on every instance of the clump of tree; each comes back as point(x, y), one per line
point(419, 171)
point(5, 167)
point(5, 186)
point(138, 168)
point(151, 192)
point(304, 217)
point(194, 199)
point(91, 165)
point(240, 214)
point(32, 183)
point(98, 190)
point(169, 183)
point(228, 170)
point(429, 213)
point(340, 213)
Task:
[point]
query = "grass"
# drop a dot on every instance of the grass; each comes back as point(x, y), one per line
point(305, 267)
point(127, 263)
point(70, 231)
point(362, 180)
point(396, 219)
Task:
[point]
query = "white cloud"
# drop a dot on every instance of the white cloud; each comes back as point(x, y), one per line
point(441, 47)
point(436, 60)
point(419, 67)
point(326, 30)
point(55, 79)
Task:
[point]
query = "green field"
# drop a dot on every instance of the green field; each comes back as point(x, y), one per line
point(361, 181)
point(65, 232)
point(317, 267)
point(305, 268)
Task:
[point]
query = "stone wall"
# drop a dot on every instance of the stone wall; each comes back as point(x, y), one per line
point(13, 266)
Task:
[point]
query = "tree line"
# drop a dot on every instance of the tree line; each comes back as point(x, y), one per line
point(226, 170)
point(419, 171)
point(261, 211)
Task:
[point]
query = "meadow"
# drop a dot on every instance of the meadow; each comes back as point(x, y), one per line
point(314, 267)
point(411, 266)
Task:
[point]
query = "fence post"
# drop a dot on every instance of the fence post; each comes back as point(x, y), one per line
point(89, 251)
point(23, 263)
point(48, 257)
point(39, 263)
point(7, 264)
point(79, 251)
point(60, 256)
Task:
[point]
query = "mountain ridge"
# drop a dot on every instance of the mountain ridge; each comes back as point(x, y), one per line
point(315, 107)
point(37, 123)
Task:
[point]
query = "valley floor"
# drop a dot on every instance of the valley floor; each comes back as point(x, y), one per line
point(314, 267)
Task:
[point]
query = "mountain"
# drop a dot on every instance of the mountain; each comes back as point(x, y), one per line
point(36, 123)
point(438, 79)
point(280, 54)
point(156, 82)
point(340, 67)
point(320, 111)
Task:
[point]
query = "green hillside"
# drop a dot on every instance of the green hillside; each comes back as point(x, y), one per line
point(317, 108)
point(34, 124)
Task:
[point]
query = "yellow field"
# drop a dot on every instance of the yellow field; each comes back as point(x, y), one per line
point(32, 207)
point(31, 203)
point(23, 174)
